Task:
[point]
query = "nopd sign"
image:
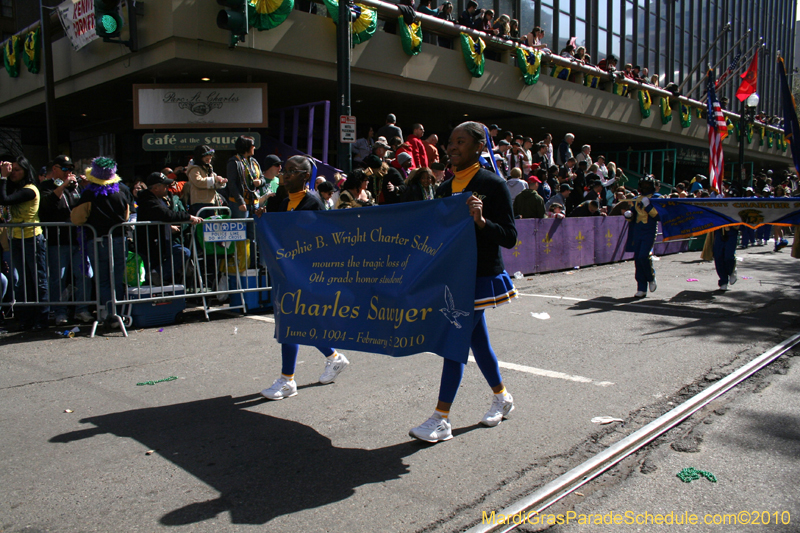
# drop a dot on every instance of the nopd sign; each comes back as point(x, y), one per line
point(186, 142)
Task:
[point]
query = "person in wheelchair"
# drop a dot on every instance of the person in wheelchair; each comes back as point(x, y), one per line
point(160, 246)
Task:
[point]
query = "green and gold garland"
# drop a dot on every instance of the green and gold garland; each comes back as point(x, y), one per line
point(268, 14)
point(770, 138)
point(590, 80)
point(12, 55)
point(410, 36)
point(763, 134)
point(32, 50)
point(530, 64)
point(620, 89)
point(686, 116)
point(560, 72)
point(473, 54)
point(666, 111)
point(364, 20)
point(645, 102)
point(699, 112)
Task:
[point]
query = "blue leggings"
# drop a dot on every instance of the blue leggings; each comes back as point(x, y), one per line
point(452, 371)
point(289, 356)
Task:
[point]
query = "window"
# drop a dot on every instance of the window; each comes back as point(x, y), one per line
point(7, 9)
point(546, 22)
point(527, 17)
point(563, 30)
point(506, 7)
point(602, 46)
point(602, 14)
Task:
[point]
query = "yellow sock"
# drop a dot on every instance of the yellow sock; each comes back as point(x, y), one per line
point(441, 414)
point(502, 392)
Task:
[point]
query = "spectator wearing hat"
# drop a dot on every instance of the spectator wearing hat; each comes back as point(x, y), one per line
point(564, 190)
point(390, 129)
point(104, 205)
point(66, 251)
point(272, 167)
point(386, 182)
point(529, 203)
point(494, 131)
point(380, 148)
point(44, 173)
point(203, 181)
point(164, 254)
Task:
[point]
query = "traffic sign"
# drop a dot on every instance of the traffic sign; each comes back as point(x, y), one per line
point(347, 129)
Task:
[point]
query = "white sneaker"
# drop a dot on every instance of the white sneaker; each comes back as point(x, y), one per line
point(640, 294)
point(500, 409)
point(282, 388)
point(723, 287)
point(434, 429)
point(333, 367)
point(653, 286)
point(85, 316)
point(733, 277)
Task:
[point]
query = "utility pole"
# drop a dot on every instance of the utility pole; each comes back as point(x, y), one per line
point(343, 36)
point(49, 83)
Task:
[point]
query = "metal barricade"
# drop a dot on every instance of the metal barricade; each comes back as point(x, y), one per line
point(166, 262)
point(52, 271)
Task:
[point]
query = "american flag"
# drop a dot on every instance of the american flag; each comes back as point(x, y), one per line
point(717, 131)
point(730, 69)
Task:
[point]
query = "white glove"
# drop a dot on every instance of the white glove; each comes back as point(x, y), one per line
point(628, 214)
point(645, 201)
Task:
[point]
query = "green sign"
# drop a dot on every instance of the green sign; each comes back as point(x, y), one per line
point(186, 142)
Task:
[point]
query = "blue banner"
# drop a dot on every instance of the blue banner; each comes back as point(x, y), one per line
point(689, 217)
point(396, 280)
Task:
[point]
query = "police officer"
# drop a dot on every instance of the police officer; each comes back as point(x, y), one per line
point(642, 235)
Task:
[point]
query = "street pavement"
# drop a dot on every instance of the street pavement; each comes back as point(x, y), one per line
point(206, 453)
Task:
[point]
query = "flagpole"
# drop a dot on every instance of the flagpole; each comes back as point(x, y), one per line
point(734, 47)
point(739, 68)
point(725, 30)
point(736, 71)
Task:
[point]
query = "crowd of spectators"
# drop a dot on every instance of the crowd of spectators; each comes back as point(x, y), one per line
point(545, 179)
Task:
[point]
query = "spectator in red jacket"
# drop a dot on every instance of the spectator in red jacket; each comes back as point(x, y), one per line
point(419, 154)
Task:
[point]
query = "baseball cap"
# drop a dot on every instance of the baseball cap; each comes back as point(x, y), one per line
point(565, 187)
point(63, 161)
point(157, 177)
point(494, 127)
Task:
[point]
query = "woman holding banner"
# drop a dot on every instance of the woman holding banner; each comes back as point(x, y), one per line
point(295, 176)
point(489, 203)
point(642, 236)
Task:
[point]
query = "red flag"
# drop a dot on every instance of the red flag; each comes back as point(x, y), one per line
point(749, 79)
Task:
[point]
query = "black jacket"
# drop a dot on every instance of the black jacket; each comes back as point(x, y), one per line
point(55, 209)
point(500, 229)
point(309, 202)
point(150, 238)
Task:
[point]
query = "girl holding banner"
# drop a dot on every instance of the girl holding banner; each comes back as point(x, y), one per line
point(296, 175)
point(642, 236)
point(489, 204)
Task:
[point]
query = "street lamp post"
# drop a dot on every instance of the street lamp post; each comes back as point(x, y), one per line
point(746, 117)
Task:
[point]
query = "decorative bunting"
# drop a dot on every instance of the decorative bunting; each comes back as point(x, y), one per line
point(590, 80)
point(666, 111)
point(699, 112)
point(560, 72)
point(686, 116)
point(268, 14)
point(770, 138)
point(530, 64)
point(729, 124)
point(761, 139)
point(784, 143)
point(749, 133)
point(645, 102)
point(364, 20)
point(410, 36)
point(12, 55)
point(620, 89)
point(32, 50)
point(473, 54)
